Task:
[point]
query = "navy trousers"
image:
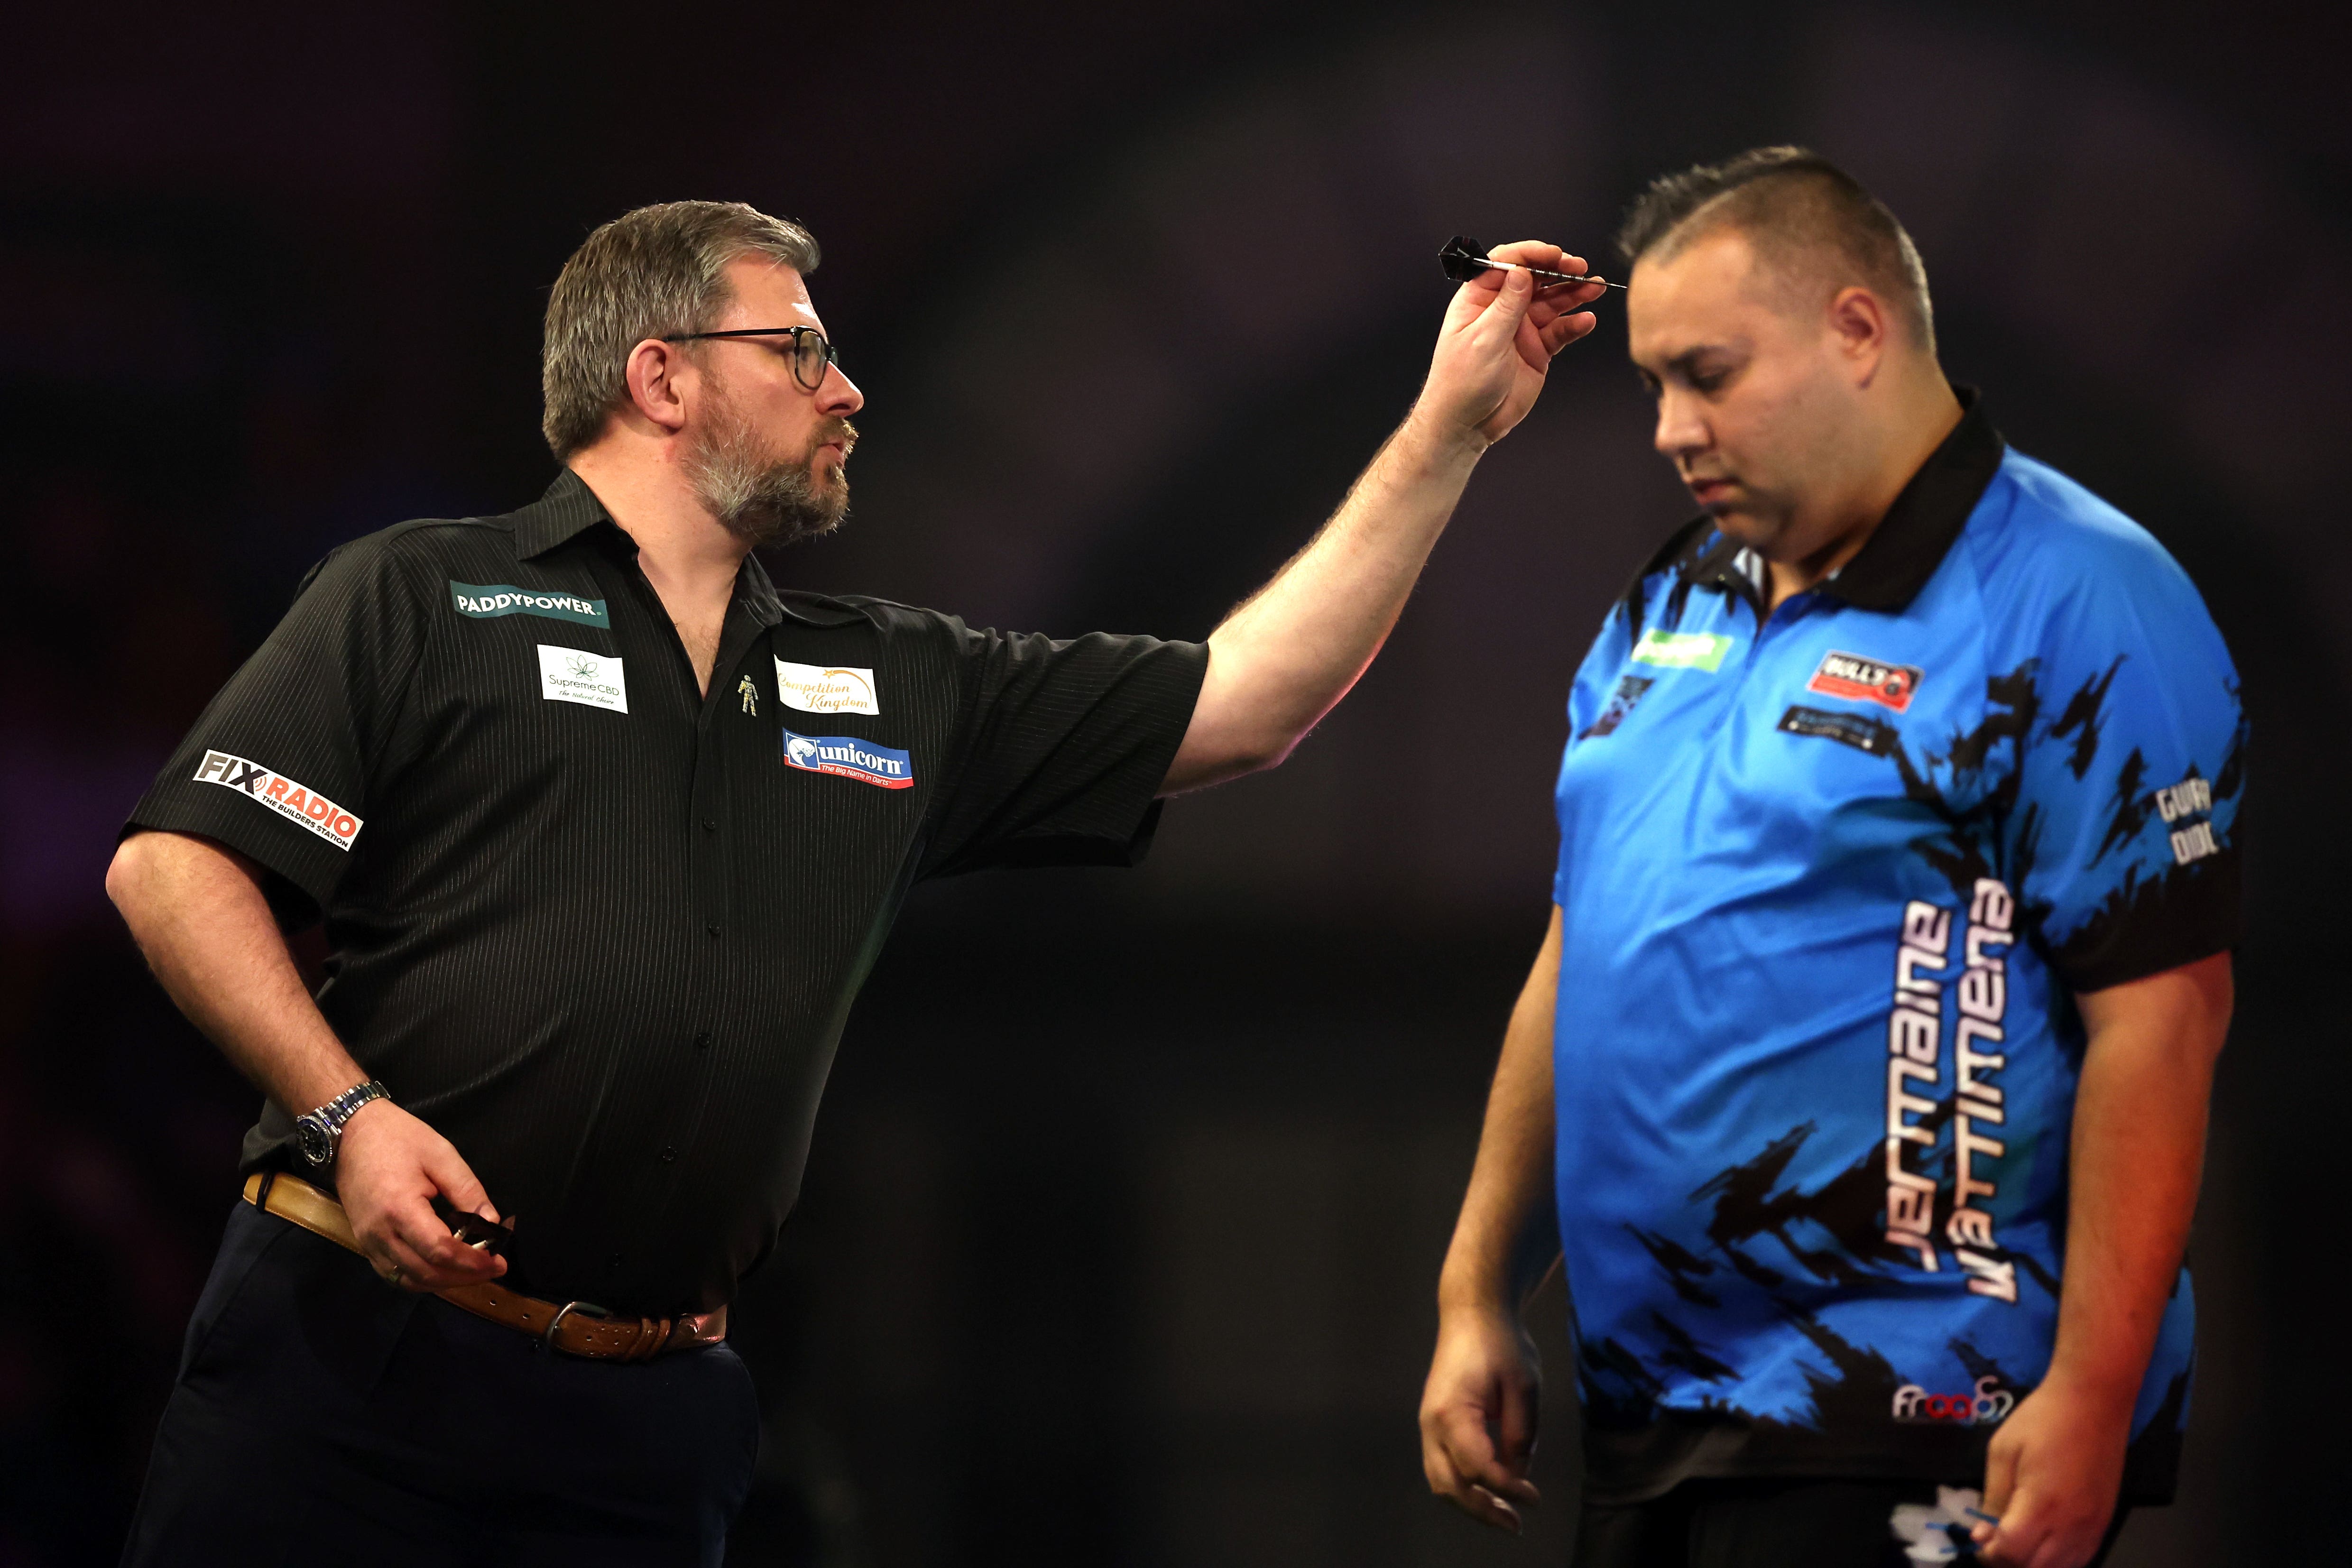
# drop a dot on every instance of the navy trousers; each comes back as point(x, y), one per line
point(321, 1415)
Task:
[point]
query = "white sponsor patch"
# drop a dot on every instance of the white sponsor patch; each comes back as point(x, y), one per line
point(827, 689)
point(282, 795)
point(574, 675)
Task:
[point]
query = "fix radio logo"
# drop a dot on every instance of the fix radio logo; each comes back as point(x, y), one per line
point(282, 795)
point(1866, 679)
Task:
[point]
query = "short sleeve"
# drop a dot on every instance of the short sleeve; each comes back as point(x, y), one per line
point(2126, 831)
point(1601, 696)
point(279, 766)
point(1063, 748)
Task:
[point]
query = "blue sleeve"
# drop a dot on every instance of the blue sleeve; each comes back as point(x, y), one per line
point(2126, 841)
point(1598, 698)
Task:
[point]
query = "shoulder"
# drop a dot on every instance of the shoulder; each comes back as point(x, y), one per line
point(886, 617)
point(2038, 527)
point(406, 556)
point(2054, 558)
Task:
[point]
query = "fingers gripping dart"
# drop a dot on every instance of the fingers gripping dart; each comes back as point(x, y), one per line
point(1464, 260)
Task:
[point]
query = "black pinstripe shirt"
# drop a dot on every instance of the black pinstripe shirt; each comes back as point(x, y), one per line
point(603, 931)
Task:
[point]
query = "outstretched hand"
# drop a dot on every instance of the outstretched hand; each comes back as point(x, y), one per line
point(1498, 340)
point(388, 1168)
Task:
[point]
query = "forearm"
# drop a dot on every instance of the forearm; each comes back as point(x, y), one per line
point(2137, 1157)
point(1291, 651)
point(1507, 1236)
point(196, 911)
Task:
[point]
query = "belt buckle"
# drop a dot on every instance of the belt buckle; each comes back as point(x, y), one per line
point(586, 1309)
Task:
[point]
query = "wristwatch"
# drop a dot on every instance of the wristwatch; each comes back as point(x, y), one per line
point(317, 1135)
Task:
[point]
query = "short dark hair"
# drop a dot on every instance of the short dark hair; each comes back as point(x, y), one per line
point(1798, 210)
point(647, 274)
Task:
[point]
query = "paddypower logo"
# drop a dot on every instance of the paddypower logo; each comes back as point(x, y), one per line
point(488, 603)
point(847, 757)
point(282, 795)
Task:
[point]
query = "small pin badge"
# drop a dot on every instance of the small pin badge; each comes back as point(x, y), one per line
point(750, 696)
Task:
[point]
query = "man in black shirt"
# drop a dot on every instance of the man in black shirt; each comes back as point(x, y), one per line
point(606, 833)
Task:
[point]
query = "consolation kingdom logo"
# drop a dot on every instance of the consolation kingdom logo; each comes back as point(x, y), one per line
point(847, 757)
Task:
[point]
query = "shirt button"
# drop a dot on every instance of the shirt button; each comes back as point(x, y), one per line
point(710, 825)
point(702, 1041)
point(712, 927)
point(669, 1156)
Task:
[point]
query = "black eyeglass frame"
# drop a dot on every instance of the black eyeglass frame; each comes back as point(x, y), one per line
point(832, 355)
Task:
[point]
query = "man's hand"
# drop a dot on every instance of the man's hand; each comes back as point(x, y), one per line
point(388, 1167)
point(1498, 340)
point(1292, 650)
point(2052, 1474)
point(1479, 1416)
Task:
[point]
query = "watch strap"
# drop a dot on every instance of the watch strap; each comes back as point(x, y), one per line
point(346, 1104)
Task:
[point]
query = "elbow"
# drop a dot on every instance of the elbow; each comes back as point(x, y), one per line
point(125, 872)
point(1259, 752)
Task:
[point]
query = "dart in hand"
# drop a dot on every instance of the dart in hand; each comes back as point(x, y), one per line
point(1464, 260)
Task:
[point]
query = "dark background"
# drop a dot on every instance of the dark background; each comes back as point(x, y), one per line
point(1120, 1241)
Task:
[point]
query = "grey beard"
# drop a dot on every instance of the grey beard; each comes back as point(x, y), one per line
point(758, 500)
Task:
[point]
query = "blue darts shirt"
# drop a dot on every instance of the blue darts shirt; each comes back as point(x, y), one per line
point(1830, 879)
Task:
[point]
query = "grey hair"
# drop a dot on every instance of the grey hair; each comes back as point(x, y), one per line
point(1807, 218)
point(655, 272)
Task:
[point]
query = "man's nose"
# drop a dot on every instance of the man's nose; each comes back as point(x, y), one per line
point(838, 396)
point(1680, 430)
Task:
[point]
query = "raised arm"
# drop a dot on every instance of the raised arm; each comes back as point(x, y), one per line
point(1288, 655)
point(1479, 1410)
point(196, 911)
point(2135, 1160)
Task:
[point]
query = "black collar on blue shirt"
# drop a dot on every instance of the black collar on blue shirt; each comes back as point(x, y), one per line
point(570, 509)
point(1912, 540)
point(1909, 543)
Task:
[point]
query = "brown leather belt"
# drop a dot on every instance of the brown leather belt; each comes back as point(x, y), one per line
point(575, 1328)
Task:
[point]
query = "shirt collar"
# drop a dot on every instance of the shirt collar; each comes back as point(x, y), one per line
point(1912, 540)
point(1909, 543)
point(570, 509)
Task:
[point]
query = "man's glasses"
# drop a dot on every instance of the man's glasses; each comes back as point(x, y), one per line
point(1464, 260)
point(812, 351)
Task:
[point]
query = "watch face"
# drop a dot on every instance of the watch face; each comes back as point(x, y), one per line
point(311, 1137)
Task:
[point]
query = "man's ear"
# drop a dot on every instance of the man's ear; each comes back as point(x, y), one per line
point(655, 371)
point(1858, 320)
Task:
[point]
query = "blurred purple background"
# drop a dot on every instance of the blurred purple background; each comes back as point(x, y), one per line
point(1122, 1230)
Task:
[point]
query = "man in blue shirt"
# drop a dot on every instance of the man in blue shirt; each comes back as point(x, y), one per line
point(1860, 1081)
